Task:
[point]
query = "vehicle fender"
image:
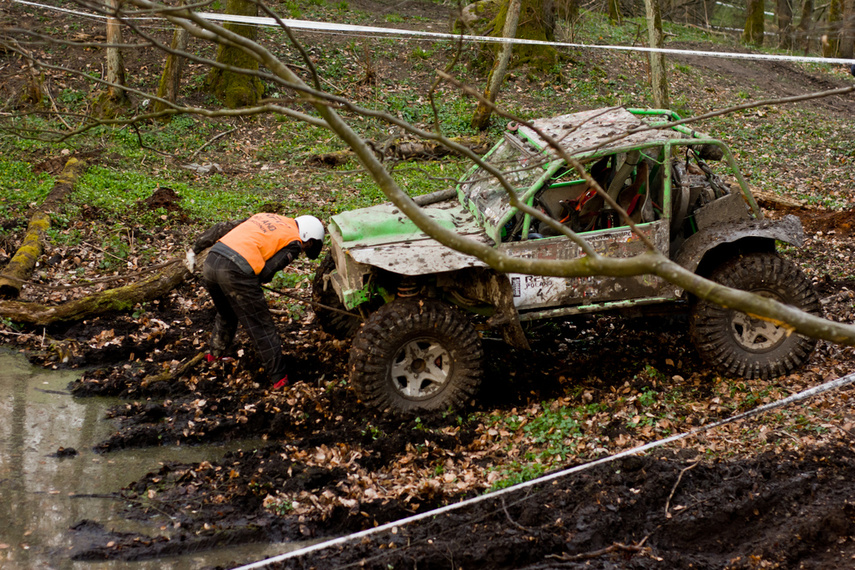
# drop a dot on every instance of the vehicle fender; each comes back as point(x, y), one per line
point(787, 229)
point(495, 288)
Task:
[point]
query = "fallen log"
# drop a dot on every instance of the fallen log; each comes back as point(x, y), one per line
point(23, 263)
point(401, 149)
point(773, 201)
point(122, 298)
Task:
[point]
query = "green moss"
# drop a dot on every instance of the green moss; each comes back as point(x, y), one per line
point(532, 26)
point(234, 88)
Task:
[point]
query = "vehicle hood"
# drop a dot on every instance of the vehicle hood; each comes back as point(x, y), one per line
point(382, 236)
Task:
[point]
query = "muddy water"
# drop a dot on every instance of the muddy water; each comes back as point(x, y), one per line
point(42, 495)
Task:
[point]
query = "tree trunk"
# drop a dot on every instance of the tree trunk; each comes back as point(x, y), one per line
point(614, 11)
point(536, 22)
point(831, 40)
point(658, 73)
point(693, 12)
point(568, 10)
point(23, 263)
point(237, 89)
point(784, 18)
point(754, 23)
point(805, 25)
point(115, 64)
point(847, 36)
point(118, 299)
point(170, 81)
point(481, 118)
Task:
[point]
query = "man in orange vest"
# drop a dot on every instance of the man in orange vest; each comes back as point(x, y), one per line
point(244, 255)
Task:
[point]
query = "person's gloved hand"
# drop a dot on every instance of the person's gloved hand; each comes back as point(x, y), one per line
point(282, 383)
point(190, 260)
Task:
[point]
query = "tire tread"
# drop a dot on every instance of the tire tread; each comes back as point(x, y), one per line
point(710, 323)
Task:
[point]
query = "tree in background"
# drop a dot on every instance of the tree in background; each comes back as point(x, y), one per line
point(754, 23)
point(526, 19)
point(109, 103)
point(234, 88)
point(481, 118)
point(802, 30)
point(614, 11)
point(170, 80)
point(658, 73)
point(568, 10)
point(695, 12)
point(784, 19)
point(847, 32)
point(831, 39)
point(536, 22)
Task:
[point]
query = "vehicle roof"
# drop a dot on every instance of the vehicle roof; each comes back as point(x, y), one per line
point(589, 130)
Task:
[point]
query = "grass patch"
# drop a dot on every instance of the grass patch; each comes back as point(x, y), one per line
point(24, 187)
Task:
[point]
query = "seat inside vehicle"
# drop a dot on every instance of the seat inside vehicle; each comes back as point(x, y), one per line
point(627, 178)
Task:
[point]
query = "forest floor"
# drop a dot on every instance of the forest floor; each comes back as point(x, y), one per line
point(771, 491)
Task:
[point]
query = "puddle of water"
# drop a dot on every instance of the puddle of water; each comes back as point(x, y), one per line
point(42, 496)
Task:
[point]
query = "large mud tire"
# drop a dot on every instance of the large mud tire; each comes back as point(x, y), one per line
point(337, 324)
point(738, 345)
point(415, 355)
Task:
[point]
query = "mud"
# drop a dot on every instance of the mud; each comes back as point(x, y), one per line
point(659, 511)
point(786, 510)
point(783, 510)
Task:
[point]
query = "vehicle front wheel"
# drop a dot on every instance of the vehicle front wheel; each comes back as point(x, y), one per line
point(739, 345)
point(416, 354)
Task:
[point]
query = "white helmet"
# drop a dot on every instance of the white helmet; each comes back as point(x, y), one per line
point(310, 228)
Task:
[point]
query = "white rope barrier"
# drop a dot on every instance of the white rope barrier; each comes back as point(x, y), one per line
point(805, 394)
point(307, 25)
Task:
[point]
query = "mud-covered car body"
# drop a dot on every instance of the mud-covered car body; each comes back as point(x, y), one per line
point(654, 169)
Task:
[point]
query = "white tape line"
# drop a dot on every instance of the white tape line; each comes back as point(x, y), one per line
point(805, 394)
point(307, 25)
point(58, 9)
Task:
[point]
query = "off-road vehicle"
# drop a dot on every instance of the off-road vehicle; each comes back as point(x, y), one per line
point(425, 306)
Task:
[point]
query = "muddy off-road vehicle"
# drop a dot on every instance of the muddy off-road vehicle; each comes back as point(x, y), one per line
point(426, 306)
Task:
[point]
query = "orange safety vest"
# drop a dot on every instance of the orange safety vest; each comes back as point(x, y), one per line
point(260, 237)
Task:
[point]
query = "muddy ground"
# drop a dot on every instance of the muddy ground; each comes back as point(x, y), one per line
point(771, 492)
point(345, 468)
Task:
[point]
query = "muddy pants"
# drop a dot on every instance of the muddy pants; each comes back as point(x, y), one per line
point(239, 299)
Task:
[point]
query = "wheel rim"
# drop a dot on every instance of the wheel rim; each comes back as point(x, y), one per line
point(757, 335)
point(420, 369)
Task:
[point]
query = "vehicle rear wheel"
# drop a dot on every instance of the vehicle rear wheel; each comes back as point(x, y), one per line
point(335, 323)
point(416, 354)
point(738, 345)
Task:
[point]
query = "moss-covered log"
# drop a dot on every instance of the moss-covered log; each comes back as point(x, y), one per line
point(395, 148)
point(23, 263)
point(118, 299)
